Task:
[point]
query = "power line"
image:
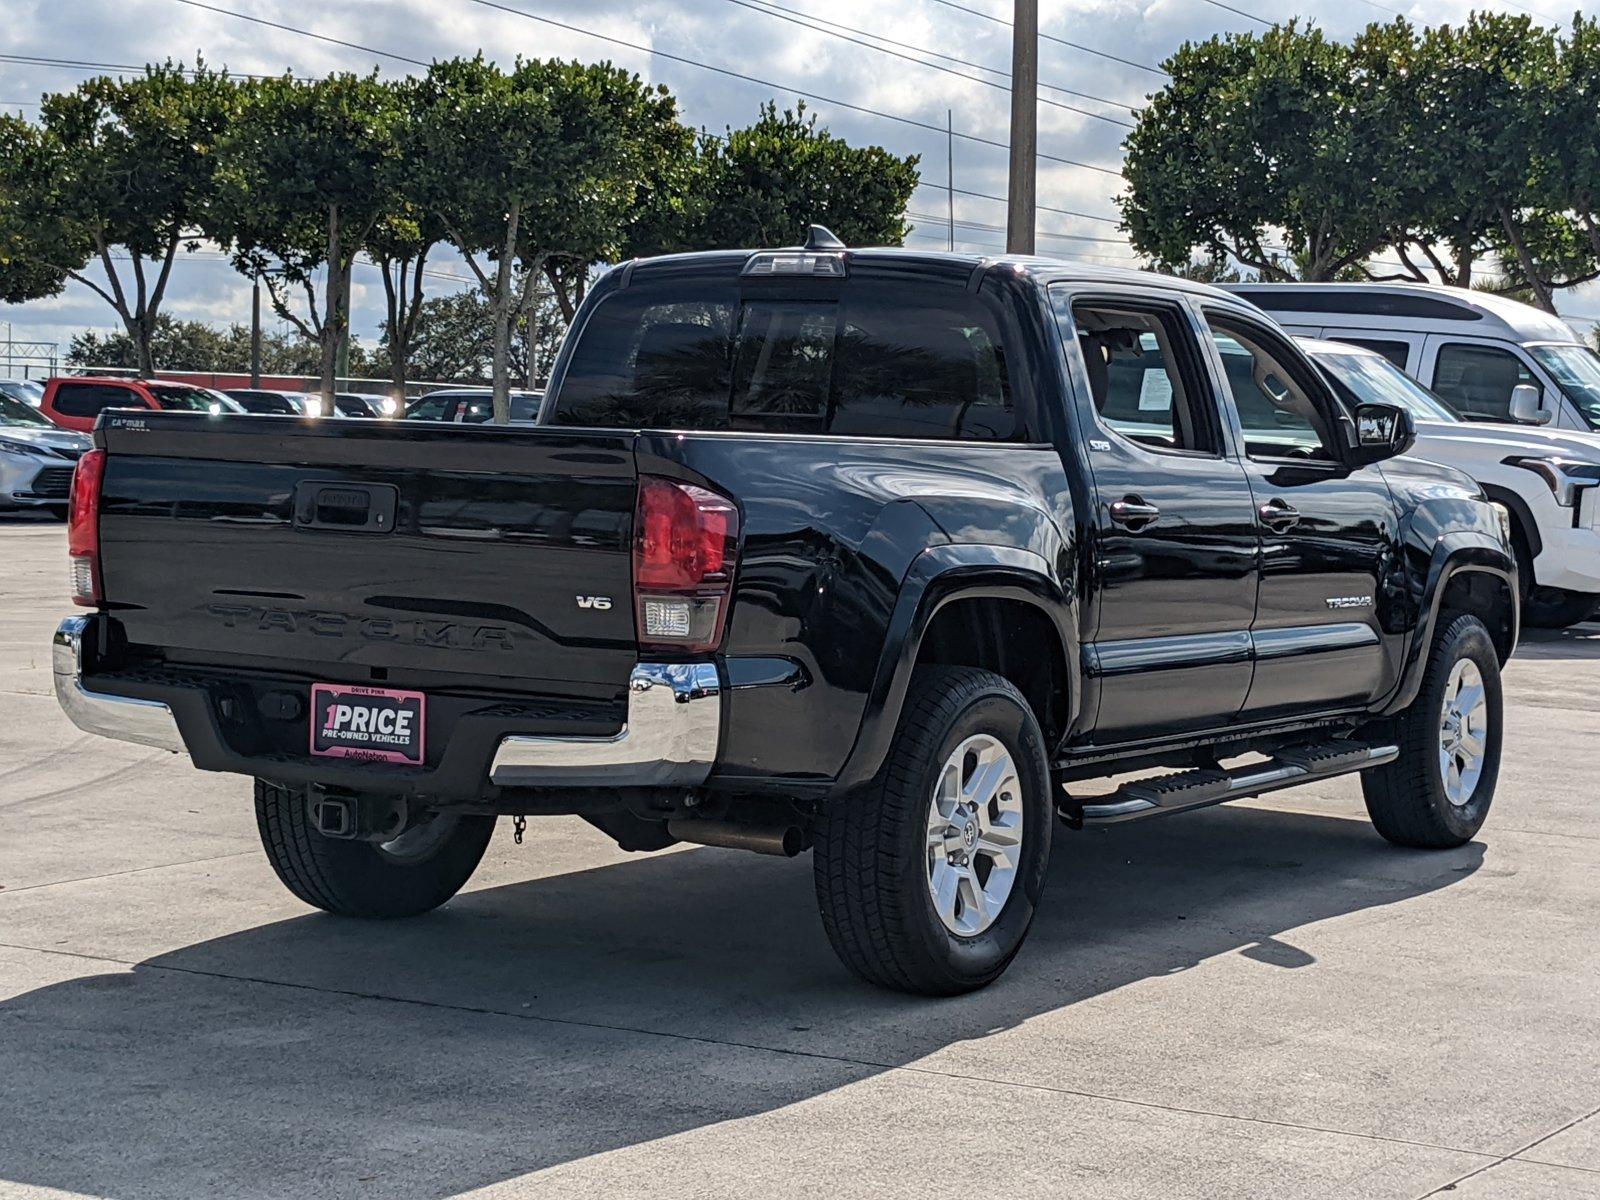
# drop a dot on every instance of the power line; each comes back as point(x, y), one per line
point(767, 83)
point(88, 67)
point(994, 248)
point(1239, 12)
point(1048, 37)
point(321, 37)
point(1076, 237)
point(804, 24)
point(965, 62)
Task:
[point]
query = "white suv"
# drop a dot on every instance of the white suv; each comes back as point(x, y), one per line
point(1548, 480)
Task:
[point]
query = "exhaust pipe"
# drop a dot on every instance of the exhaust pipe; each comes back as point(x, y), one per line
point(785, 841)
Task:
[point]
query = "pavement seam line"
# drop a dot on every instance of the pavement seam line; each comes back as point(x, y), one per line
point(1516, 1154)
point(187, 862)
point(843, 1060)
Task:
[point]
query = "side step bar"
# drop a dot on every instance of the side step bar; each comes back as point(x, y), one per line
point(1291, 766)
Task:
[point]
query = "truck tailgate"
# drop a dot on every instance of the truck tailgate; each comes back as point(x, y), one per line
point(373, 550)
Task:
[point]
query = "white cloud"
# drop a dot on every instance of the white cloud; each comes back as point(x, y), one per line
point(719, 32)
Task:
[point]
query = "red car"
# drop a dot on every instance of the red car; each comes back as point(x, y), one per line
point(74, 401)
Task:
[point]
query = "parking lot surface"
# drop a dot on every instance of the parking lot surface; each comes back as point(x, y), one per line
point(1257, 1000)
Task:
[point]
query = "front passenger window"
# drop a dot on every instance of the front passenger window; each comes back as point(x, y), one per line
point(1131, 356)
point(1277, 414)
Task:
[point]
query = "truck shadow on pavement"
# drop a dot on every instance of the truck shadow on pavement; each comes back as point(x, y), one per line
point(538, 1023)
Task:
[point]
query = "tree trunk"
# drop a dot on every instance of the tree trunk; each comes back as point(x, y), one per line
point(141, 329)
point(333, 305)
point(1530, 270)
point(530, 334)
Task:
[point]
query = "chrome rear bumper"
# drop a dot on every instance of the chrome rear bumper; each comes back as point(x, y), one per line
point(670, 738)
point(147, 722)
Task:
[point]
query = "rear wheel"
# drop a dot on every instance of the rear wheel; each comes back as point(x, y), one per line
point(1437, 793)
point(413, 873)
point(927, 879)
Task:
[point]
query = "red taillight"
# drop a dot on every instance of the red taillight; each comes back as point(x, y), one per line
point(83, 528)
point(684, 544)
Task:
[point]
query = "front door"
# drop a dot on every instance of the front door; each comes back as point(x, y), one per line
point(1328, 532)
point(1173, 542)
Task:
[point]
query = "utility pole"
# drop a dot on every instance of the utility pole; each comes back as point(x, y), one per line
point(255, 335)
point(950, 172)
point(1023, 187)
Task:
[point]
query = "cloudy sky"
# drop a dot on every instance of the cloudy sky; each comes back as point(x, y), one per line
point(1109, 66)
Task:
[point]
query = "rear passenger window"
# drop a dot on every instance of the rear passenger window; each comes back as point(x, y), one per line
point(1136, 380)
point(1477, 380)
point(1396, 352)
point(89, 399)
point(873, 362)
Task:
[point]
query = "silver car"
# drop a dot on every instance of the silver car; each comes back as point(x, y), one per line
point(36, 458)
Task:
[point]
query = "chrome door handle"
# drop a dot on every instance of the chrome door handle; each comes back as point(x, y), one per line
point(1133, 513)
point(1278, 514)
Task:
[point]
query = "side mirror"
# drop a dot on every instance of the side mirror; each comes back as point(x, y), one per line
point(1528, 406)
point(1382, 431)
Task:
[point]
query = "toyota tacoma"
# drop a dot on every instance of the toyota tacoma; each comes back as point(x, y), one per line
point(881, 555)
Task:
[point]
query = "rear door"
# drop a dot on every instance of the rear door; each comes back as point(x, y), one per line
point(1328, 533)
point(1174, 541)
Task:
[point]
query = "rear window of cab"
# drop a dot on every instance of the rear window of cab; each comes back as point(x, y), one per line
point(871, 360)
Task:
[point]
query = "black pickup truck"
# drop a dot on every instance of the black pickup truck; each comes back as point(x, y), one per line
point(874, 553)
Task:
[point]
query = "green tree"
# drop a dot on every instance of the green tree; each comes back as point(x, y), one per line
point(1257, 136)
point(305, 174)
point(197, 346)
point(120, 173)
point(399, 245)
point(764, 184)
point(453, 340)
point(544, 163)
point(1484, 94)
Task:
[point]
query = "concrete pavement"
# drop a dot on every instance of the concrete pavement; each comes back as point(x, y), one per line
point(1258, 1000)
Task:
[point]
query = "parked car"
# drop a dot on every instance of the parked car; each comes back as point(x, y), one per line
point(472, 406)
point(1548, 481)
point(357, 404)
point(75, 401)
point(880, 553)
point(36, 459)
point(275, 403)
point(1492, 358)
point(27, 391)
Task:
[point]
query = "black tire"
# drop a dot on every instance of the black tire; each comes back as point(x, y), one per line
point(1407, 798)
point(358, 879)
point(871, 861)
point(1556, 608)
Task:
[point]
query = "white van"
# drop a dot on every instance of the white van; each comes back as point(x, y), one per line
point(1547, 480)
point(1472, 348)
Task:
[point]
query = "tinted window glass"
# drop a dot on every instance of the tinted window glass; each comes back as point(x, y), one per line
point(477, 409)
point(1279, 417)
point(429, 408)
point(875, 363)
point(182, 399)
point(1477, 380)
point(1131, 356)
point(89, 399)
point(15, 412)
point(1396, 352)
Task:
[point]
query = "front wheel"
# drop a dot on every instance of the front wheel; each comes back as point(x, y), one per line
point(928, 877)
point(412, 874)
point(1437, 793)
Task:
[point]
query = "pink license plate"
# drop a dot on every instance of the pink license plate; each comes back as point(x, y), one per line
point(367, 723)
